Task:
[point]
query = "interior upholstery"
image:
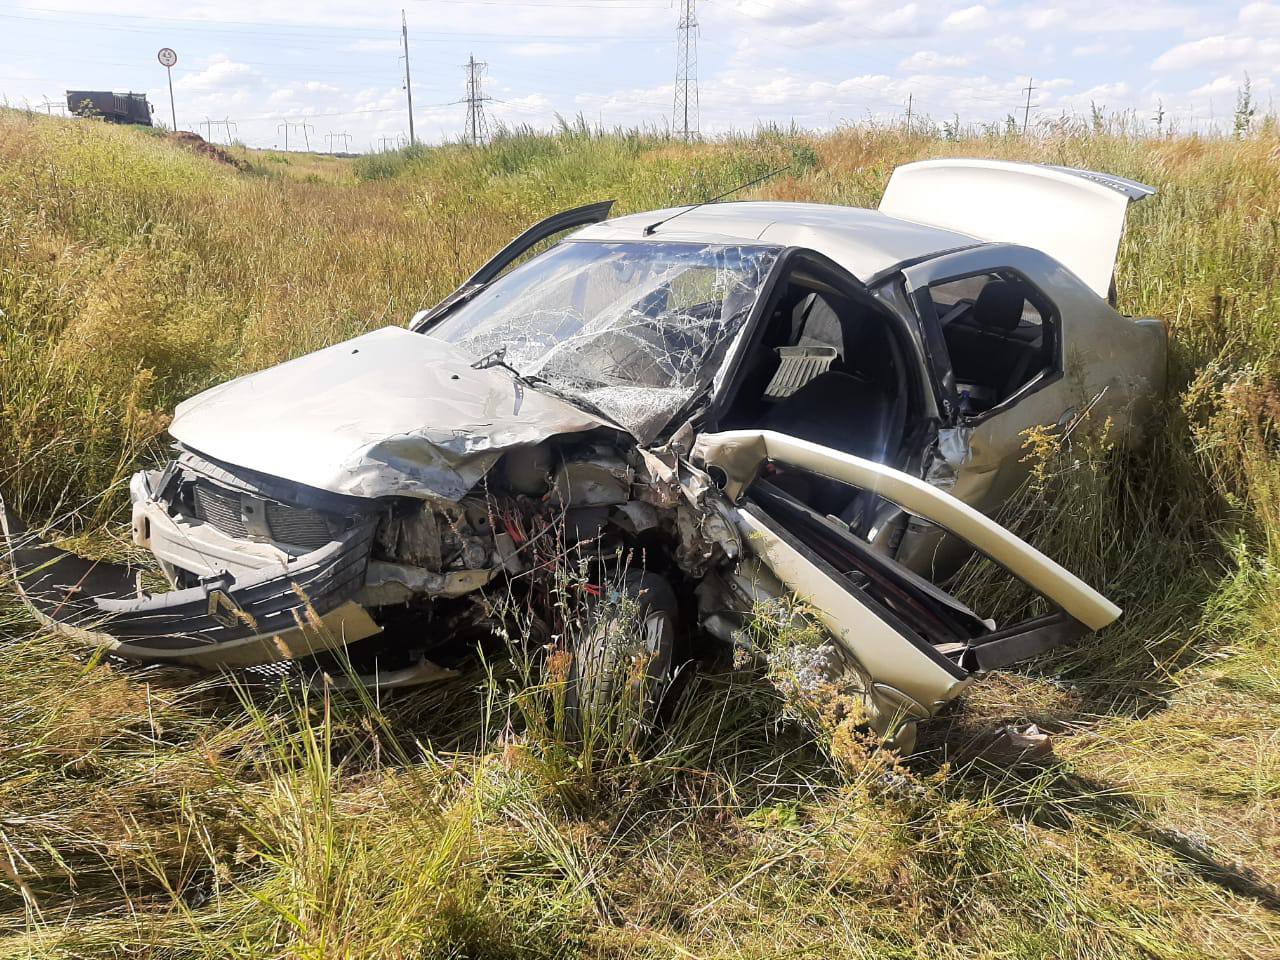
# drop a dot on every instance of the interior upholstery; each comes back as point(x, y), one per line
point(991, 348)
point(999, 306)
point(840, 411)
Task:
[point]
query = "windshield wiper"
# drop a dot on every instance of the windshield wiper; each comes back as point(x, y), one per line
point(498, 358)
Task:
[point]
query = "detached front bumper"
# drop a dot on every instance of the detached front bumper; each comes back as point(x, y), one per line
point(282, 611)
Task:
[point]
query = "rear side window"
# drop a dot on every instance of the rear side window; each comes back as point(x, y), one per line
point(1001, 335)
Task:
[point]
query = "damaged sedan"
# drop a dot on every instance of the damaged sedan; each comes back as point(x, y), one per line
point(739, 402)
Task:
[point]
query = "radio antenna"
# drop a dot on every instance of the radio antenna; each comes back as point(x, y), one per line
point(648, 231)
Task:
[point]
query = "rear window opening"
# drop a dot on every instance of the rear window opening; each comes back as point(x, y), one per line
point(1001, 334)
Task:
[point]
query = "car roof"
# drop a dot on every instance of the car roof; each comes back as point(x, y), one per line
point(864, 242)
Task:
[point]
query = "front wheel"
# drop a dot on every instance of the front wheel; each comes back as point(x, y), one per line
point(622, 659)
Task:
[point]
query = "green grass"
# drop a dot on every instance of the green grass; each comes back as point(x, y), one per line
point(141, 815)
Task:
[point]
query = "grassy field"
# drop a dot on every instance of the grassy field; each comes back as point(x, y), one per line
point(145, 817)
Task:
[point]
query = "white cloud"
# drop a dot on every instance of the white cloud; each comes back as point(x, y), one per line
point(902, 21)
point(1261, 16)
point(1208, 50)
point(1003, 46)
point(220, 73)
point(820, 62)
point(1045, 17)
point(930, 60)
point(1102, 48)
point(1219, 85)
point(968, 18)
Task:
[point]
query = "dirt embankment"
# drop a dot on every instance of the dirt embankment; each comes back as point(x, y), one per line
point(198, 144)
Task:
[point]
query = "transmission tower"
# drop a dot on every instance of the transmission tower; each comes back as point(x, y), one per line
point(229, 128)
point(296, 126)
point(477, 130)
point(685, 116)
point(333, 138)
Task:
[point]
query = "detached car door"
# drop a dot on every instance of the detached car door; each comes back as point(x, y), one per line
point(539, 233)
point(916, 646)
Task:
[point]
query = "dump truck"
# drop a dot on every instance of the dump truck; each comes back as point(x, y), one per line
point(115, 107)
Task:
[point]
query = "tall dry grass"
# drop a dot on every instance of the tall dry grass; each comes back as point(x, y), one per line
point(141, 815)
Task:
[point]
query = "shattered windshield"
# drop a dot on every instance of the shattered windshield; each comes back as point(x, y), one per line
point(635, 329)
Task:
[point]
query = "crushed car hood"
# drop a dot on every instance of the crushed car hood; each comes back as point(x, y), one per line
point(388, 413)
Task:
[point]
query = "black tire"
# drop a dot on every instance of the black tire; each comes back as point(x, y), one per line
point(602, 674)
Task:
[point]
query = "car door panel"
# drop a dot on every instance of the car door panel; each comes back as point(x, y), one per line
point(541, 231)
point(894, 624)
point(739, 454)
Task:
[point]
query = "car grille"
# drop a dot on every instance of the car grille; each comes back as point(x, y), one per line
point(297, 525)
point(222, 509)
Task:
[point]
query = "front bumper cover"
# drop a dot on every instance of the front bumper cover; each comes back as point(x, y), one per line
point(280, 613)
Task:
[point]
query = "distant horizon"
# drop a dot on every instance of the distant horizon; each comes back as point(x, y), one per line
point(819, 64)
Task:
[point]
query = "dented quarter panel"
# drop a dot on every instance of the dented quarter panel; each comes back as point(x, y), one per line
point(1108, 360)
point(388, 413)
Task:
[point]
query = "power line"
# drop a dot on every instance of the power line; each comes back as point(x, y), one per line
point(291, 71)
point(685, 111)
point(338, 33)
point(345, 137)
point(477, 128)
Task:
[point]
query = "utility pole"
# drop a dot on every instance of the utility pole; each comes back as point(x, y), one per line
point(388, 140)
point(408, 86)
point(228, 128)
point(477, 129)
point(1026, 110)
point(296, 125)
point(685, 113)
point(344, 137)
point(910, 100)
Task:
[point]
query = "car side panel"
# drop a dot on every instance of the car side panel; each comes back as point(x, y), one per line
point(1109, 361)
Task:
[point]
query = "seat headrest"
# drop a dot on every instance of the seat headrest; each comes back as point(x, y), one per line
point(999, 305)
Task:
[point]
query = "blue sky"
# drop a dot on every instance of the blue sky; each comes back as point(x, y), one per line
point(335, 63)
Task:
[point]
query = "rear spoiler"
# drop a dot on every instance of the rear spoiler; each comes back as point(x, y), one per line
point(1075, 216)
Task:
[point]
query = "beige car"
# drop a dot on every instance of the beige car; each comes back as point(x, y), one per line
point(757, 398)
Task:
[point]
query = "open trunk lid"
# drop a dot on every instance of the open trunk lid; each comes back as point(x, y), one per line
point(1075, 216)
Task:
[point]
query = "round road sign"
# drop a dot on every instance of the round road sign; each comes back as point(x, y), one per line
point(167, 57)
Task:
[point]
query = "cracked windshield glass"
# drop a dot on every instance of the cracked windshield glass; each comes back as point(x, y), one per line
point(635, 329)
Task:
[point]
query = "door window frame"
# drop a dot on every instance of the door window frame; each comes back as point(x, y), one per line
point(997, 259)
point(725, 391)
